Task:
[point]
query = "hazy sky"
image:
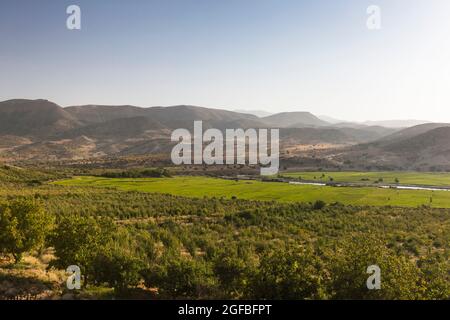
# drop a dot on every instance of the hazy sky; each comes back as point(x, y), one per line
point(276, 55)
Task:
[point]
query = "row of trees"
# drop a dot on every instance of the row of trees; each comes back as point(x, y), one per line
point(125, 257)
point(136, 173)
point(185, 261)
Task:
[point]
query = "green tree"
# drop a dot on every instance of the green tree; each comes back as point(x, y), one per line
point(319, 205)
point(400, 277)
point(24, 225)
point(294, 275)
point(436, 273)
point(78, 240)
point(117, 268)
point(182, 278)
point(233, 273)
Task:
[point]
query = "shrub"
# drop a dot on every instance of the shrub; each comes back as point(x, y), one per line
point(400, 278)
point(24, 225)
point(117, 268)
point(319, 205)
point(291, 275)
point(78, 240)
point(181, 278)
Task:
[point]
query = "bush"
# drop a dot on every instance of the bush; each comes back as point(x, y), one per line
point(145, 173)
point(24, 225)
point(291, 275)
point(117, 268)
point(78, 240)
point(436, 273)
point(319, 205)
point(233, 273)
point(182, 278)
point(400, 277)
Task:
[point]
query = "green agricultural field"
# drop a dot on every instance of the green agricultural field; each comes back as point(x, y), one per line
point(405, 178)
point(256, 190)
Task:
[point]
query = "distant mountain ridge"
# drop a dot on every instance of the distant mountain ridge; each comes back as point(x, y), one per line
point(40, 118)
point(396, 123)
point(294, 120)
point(43, 130)
point(258, 113)
point(424, 147)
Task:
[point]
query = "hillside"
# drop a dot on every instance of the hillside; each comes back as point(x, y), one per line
point(424, 147)
point(412, 131)
point(116, 129)
point(34, 118)
point(90, 114)
point(396, 123)
point(294, 120)
point(13, 174)
point(43, 130)
point(429, 148)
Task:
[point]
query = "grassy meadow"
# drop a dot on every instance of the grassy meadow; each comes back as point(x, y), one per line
point(403, 178)
point(200, 187)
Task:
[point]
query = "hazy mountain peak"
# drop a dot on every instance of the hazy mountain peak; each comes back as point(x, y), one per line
point(294, 119)
point(331, 119)
point(396, 123)
point(258, 113)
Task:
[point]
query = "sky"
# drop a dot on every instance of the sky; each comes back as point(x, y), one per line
point(273, 55)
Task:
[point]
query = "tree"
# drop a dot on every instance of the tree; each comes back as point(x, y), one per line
point(436, 272)
point(118, 268)
point(78, 240)
point(24, 225)
point(400, 277)
point(319, 205)
point(294, 275)
point(233, 272)
point(181, 278)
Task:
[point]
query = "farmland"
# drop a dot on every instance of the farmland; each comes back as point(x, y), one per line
point(410, 178)
point(200, 187)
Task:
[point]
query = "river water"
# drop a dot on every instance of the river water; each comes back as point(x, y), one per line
point(405, 187)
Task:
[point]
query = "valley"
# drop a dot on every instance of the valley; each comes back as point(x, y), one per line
point(100, 184)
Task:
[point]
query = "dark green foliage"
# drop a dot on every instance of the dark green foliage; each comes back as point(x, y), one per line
point(292, 274)
point(319, 205)
point(182, 278)
point(144, 173)
point(116, 268)
point(234, 269)
point(401, 279)
point(24, 226)
point(78, 240)
point(106, 254)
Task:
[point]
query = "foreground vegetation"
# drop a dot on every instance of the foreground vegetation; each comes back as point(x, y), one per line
point(170, 246)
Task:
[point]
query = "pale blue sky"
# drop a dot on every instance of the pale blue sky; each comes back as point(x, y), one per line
point(278, 55)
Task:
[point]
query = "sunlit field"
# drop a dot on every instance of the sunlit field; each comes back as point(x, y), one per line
point(200, 187)
point(402, 178)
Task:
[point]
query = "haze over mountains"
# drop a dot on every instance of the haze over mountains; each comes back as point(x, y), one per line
point(43, 130)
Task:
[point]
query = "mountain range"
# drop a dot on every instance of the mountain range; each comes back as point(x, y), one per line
point(43, 130)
